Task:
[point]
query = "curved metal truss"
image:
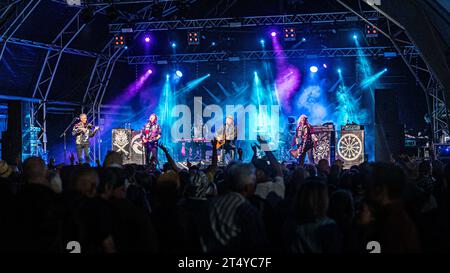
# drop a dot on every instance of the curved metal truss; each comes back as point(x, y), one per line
point(417, 65)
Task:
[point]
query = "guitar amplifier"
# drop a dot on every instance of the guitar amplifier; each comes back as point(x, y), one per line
point(129, 144)
point(325, 145)
point(350, 145)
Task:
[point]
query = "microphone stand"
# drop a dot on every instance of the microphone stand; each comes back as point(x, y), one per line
point(64, 135)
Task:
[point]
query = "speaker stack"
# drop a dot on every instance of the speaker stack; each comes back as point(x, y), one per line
point(325, 145)
point(12, 137)
point(389, 132)
point(128, 142)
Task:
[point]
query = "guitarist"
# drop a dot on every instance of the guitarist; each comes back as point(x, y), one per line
point(226, 136)
point(150, 136)
point(304, 141)
point(83, 131)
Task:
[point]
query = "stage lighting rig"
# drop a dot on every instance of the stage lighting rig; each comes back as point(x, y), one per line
point(119, 40)
point(193, 38)
point(289, 34)
point(371, 32)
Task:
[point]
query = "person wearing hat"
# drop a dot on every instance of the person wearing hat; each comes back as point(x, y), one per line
point(226, 137)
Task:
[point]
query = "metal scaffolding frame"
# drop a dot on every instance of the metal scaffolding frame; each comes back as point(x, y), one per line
point(25, 8)
point(49, 69)
point(417, 65)
point(56, 48)
point(101, 74)
point(267, 55)
point(273, 20)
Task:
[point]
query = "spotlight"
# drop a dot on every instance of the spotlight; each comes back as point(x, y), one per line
point(193, 38)
point(273, 34)
point(167, 76)
point(179, 73)
point(371, 31)
point(289, 34)
point(385, 70)
point(173, 45)
point(119, 40)
point(339, 70)
point(325, 66)
point(256, 73)
point(262, 41)
point(303, 39)
point(355, 36)
point(147, 39)
point(313, 69)
point(149, 71)
point(213, 44)
point(126, 47)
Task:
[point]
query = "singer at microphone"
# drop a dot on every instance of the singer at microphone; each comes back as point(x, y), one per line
point(83, 132)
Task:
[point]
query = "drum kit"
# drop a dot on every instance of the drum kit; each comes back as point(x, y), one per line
point(189, 148)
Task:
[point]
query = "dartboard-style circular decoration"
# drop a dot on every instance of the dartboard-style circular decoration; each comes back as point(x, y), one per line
point(349, 147)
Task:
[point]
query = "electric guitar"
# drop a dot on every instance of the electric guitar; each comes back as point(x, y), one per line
point(149, 139)
point(220, 142)
point(296, 152)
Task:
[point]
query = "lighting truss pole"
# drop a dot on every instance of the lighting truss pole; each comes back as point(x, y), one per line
point(98, 82)
point(25, 9)
point(297, 19)
point(268, 55)
point(48, 71)
point(417, 65)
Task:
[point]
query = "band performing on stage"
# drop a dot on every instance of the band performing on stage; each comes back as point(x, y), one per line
point(302, 142)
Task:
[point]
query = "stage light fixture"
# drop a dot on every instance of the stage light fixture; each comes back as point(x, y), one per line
point(371, 31)
point(119, 40)
point(179, 73)
point(289, 34)
point(173, 44)
point(147, 38)
point(313, 69)
point(385, 70)
point(273, 34)
point(193, 38)
point(149, 71)
point(262, 41)
point(339, 71)
point(355, 36)
point(325, 66)
point(213, 44)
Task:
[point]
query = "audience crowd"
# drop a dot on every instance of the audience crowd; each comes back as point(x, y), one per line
point(261, 206)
